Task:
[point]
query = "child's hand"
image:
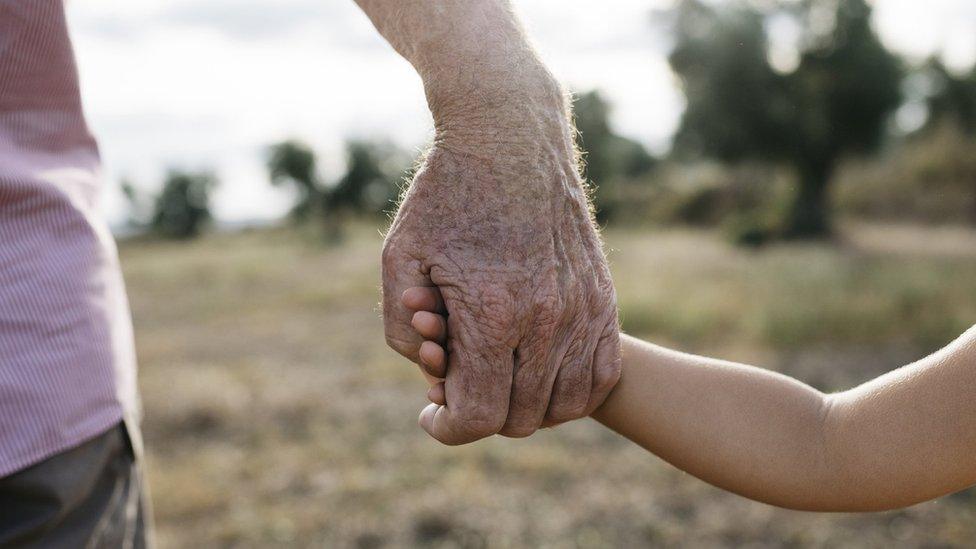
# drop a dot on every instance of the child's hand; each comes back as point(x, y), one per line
point(430, 322)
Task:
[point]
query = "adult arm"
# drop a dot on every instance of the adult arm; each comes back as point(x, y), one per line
point(497, 218)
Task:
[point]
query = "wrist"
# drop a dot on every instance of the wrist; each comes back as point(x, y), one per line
point(481, 74)
point(511, 114)
point(491, 94)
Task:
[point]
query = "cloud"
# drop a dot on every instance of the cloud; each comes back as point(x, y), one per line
point(920, 29)
point(255, 19)
point(340, 24)
point(212, 82)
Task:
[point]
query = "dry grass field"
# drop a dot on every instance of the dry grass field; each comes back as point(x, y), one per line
point(276, 417)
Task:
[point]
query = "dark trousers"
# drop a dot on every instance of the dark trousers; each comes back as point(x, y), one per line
point(91, 496)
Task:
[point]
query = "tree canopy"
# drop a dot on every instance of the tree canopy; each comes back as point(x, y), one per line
point(835, 101)
point(609, 159)
point(183, 206)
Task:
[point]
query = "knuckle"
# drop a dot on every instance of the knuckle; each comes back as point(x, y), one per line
point(607, 365)
point(573, 385)
point(518, 430)
point(567, 408)
point(474, 429)
point(525, 412)
point(478, 421)
point(605, 376)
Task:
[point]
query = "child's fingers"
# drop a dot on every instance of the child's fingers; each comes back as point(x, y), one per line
point(433, 359)
point(431, 326)
point(429, 322)
point(436, 394)
point(424, 298)
point(431, 380)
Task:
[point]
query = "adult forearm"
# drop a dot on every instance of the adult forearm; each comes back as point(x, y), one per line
point(483, 80)
point(441, 37)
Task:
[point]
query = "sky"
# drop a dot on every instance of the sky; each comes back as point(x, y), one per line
point(209, 84)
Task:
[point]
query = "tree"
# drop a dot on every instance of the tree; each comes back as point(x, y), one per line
point(293, 162)
point(608, 158)
point(183, 206)
point(371, 183)
point(835, 102)
point(951, 98)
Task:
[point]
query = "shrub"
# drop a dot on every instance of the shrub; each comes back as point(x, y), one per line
point(183, 207)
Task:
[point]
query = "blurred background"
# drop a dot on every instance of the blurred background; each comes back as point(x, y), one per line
point(788, 183)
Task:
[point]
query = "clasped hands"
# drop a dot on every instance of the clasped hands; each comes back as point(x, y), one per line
point(495, 280)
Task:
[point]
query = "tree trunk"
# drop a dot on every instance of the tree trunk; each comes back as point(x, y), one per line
point(809, 215)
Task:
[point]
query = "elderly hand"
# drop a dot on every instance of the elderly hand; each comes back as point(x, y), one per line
point(498, 220)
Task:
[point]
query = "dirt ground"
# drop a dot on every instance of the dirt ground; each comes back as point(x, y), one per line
point(276, 416)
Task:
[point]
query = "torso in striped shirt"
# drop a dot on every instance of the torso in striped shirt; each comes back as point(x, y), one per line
point(67, 364)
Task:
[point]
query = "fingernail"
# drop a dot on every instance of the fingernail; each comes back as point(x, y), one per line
point(427, 417)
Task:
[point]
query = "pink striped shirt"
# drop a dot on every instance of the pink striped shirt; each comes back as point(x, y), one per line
point(67, 362)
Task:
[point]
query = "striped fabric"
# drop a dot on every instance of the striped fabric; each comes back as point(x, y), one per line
point(67, 363)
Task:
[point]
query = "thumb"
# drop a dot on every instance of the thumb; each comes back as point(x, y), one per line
point(478, 385)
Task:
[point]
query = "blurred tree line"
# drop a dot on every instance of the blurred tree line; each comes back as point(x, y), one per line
point(777, 136)
point(835, 101)
point(369, 186)
point(181, 210)
point(609, 160)
point(771, 128)
point(374, 174)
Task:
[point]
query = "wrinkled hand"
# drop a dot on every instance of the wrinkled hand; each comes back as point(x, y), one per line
point(497, 218)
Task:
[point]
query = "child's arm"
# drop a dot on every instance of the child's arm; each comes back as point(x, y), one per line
point(903, 438)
